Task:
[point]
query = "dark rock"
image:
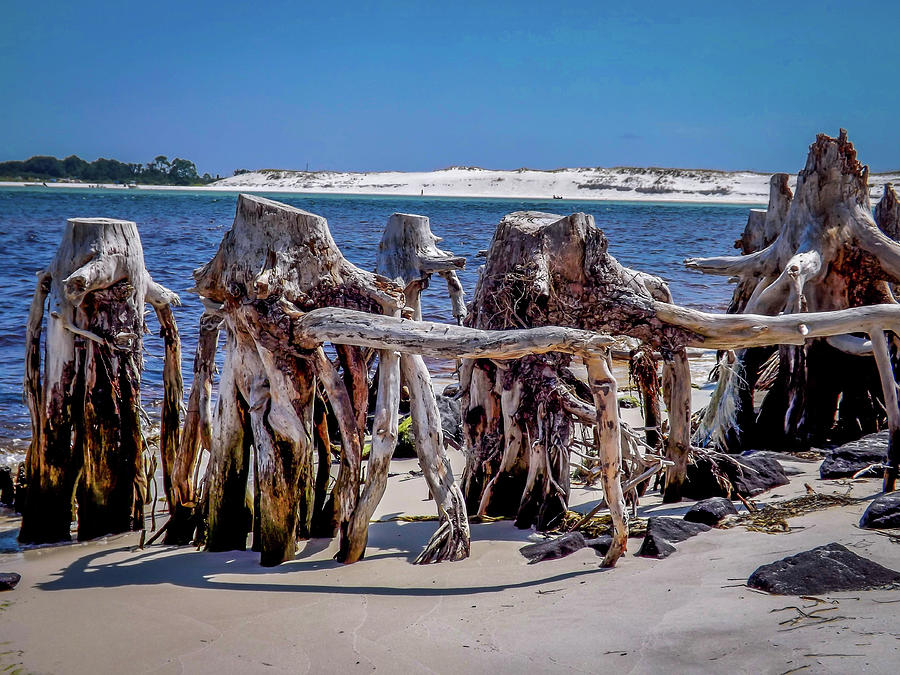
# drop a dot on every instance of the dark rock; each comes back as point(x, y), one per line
point(807, 457)
point(564, 545)
point(757, 474)
point(655, 547)
point(704, 477)
point(8, 580)
point(715, 474)
point(850, 458)
point(883, 512)
point(628, 402)
point(781, 458)
point(710, 511)
point(824, 569)
point(451, 389)
point(601, 544)
point(451, 417)
point(7, 489)
point(663, 531)
point(674, 529)
point(558, 547)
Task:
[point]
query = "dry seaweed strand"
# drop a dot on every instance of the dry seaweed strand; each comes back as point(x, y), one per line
point(772, 518)
point(597, 525)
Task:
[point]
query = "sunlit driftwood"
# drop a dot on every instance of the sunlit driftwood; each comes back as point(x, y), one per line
point(84, 399)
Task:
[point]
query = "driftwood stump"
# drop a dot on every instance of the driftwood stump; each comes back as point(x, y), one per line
point(276, 253)
point(84, 399)
point(544, 270)
point(298, 332)
point(827, 254)
point(408, 255)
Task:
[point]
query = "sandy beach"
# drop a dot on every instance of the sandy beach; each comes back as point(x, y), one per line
point(702, 186)
point(108, 606)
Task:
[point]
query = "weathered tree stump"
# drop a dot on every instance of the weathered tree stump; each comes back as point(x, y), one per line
point(829, 254)
point(267, 393)
point(85, 412)
point(297, 332)
point(887, 213)
point(407, 255)
point(543, 270)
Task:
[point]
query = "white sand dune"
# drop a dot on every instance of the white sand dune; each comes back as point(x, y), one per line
point(620, 183)
point(615, 184)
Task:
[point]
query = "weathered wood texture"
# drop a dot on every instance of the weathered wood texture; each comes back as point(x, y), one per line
point(829, 254)
point(84, 399)
point(278, 254)
point(545, 270)
point(407, 254)
point(549, 287)
point(603, 389)
point(196, 434)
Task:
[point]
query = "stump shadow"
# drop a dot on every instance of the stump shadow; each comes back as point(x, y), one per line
point(185, 567)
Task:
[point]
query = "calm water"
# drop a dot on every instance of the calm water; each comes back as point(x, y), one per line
point(181, 230)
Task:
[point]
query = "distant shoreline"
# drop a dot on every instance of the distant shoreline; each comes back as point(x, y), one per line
point(620, 184)
point(234, 190)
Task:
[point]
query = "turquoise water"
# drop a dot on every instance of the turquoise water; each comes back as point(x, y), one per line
point(181, 230)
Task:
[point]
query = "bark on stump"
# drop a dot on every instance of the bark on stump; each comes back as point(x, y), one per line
point(543, 270)
point(84, 399)
point(829, 254)
point(298, 331)
point(196, 436)
point(276, 253)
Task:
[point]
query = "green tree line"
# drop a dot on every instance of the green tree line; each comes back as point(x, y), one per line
point(160, 171)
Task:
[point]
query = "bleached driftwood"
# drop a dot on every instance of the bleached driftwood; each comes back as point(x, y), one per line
point(439, 340)
point(829, 255)
point(276, 253)
point(603, 388)
point(887, 212)
point(407, 255)
point(299, 330)
point(84, 399)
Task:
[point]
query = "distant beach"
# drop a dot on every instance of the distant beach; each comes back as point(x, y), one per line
point(705, 186)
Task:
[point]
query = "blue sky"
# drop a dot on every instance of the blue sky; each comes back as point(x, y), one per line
point(424, 85)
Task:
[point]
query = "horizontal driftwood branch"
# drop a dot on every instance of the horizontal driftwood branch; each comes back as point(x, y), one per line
point(712, 331)
point(732, 331)
point(344, 326)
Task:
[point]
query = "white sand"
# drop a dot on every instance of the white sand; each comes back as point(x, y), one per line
point(619, 184)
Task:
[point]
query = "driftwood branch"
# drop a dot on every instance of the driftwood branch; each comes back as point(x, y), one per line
point(437, 340)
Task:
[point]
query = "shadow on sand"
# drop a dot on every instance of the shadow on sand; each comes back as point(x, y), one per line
point(183, 566)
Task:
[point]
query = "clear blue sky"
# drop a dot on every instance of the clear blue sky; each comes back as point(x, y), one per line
point(422, 85)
